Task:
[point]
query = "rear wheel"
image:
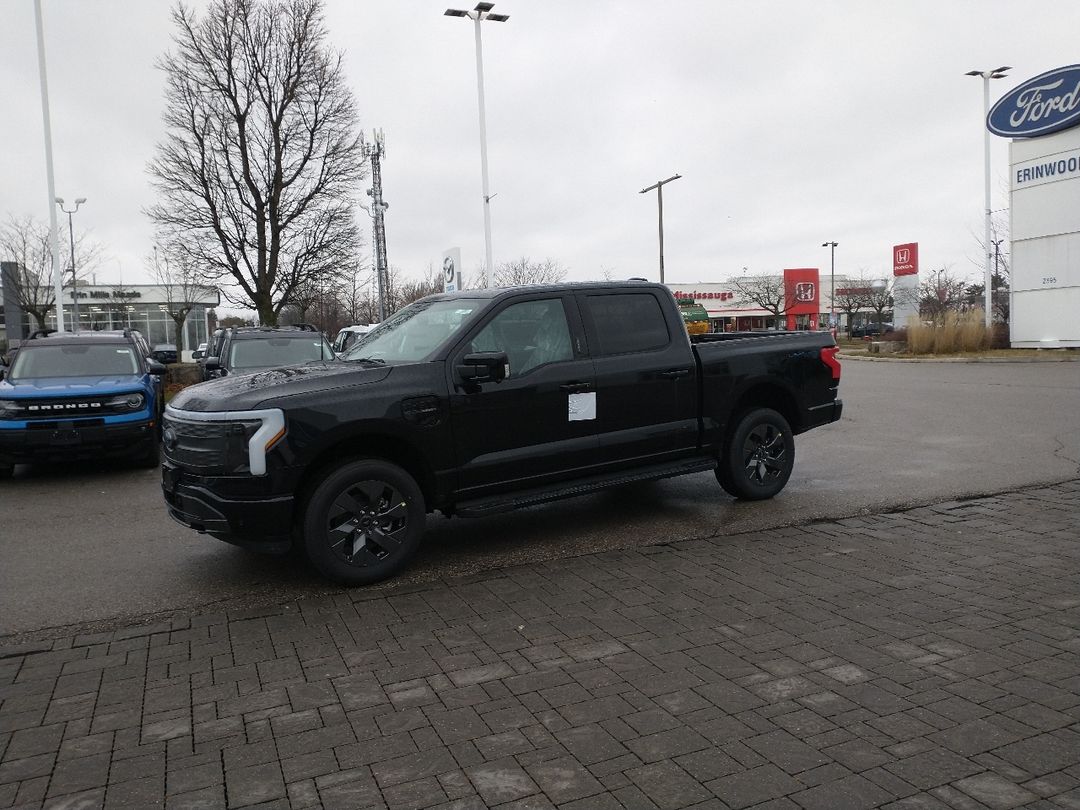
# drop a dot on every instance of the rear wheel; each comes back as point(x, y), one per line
point(363, 522)
point(759, 456)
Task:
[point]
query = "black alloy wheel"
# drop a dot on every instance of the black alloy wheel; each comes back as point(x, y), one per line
point(363, 522)
point(758, 457)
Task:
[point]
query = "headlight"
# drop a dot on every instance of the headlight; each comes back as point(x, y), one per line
point(131, 402)
point(234, 442)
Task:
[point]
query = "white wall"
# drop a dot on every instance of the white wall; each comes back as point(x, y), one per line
point(1045, 231)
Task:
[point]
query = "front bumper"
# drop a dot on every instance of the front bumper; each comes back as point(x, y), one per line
point(244, 516)
point(64, 440)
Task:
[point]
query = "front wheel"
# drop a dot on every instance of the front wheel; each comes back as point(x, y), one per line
point(759, 456)
point(363, 522)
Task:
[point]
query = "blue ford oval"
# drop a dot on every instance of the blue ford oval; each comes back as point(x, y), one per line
point(1047, 103)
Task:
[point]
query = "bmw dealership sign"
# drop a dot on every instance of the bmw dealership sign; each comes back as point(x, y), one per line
point(1048, 103)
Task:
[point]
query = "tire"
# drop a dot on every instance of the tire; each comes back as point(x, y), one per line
point(363, 522)
point(758, 457)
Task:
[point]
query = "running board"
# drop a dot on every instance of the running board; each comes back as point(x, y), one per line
point(481, 507)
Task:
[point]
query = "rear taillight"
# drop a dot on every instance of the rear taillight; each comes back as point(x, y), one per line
point(828, 357)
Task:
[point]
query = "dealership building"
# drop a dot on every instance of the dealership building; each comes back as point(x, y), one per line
point(1042, 116)
point(806, 288)
point(144, 307)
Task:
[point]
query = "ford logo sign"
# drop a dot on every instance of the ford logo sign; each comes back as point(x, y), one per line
point(1048, 103)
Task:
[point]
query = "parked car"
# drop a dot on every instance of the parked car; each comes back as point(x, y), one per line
point(348, 335)
point(199, 353)
point(164, 353)
point(247, 349)
point(869, 329)
point(90, 394)
point(482, 401)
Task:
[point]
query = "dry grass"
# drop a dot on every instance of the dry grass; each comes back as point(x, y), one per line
point(959, 333)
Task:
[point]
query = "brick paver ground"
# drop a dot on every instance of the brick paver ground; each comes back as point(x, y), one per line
point(922, 659)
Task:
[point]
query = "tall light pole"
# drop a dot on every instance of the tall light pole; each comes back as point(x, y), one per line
point(659, 186)
point(987, 75)
point(477, 15)
point(832, 283)
point(54, 239)
point(74, 279)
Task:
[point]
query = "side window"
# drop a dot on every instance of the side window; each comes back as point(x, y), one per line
point(531, 333)
point(631, 322)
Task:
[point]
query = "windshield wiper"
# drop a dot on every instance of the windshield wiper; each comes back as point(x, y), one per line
point(375, 360)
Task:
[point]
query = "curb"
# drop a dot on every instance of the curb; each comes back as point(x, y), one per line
point(867, 358)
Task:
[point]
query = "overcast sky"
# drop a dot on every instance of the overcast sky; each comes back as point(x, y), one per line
point(792, 124)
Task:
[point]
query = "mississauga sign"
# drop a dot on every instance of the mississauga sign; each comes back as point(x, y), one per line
point(1050, 102)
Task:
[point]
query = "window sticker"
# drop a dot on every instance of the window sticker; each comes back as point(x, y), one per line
point(582, 407)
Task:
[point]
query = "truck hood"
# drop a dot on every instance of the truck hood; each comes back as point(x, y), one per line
point(71, 386)
point(245, 392)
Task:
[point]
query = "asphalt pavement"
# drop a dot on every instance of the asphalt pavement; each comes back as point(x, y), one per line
point(91, 546)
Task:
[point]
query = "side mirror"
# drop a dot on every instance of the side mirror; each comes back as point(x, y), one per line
point(212, 364)
point(156, 368)
point(196, 355)
point(482, 367)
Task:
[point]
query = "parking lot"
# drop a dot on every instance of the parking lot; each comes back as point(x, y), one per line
point(93, 547)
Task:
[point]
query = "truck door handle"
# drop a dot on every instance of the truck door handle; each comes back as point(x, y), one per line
point(675, 373)
point(575, 388)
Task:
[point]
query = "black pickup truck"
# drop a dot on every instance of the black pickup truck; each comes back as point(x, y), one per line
point(481, 401)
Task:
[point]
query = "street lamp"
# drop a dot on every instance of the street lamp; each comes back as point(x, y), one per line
point(659, 186)
point(987, 75)
point(74, 280)
point(477, 15)
point(832, 283)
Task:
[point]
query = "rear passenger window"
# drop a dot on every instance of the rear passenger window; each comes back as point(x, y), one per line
point(630, 322)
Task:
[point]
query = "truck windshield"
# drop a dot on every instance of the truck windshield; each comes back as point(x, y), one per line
point(74, 360)
point(265, 352)
point(413, 333)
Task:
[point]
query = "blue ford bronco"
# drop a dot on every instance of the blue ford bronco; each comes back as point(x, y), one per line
point(92, 394)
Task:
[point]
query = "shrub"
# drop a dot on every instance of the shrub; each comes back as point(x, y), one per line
point(958, 332)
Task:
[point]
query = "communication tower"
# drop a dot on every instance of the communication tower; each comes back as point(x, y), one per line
point(375, 152)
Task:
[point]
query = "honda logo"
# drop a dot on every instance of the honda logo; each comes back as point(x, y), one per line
point(903, 255)
point(805, 291)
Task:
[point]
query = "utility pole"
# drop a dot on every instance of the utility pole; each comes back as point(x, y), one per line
point(659, 186)
point(375, 152)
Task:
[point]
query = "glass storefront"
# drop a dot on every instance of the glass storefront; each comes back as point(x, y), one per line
point(144, 307)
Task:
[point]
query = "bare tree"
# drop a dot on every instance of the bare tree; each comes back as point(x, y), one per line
point(181, 280)
point(878, 298)
point(414, 289)
point(764, 292)
point(520, 272)
point(849, 299)
point(119, 303)
point(258, 170)
point(940, 293)
point(25, 242)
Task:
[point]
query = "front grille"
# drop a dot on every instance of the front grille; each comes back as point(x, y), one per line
point(196, 445)
point(66, 407)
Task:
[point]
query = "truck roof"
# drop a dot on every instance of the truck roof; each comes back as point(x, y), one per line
point(498, 292)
